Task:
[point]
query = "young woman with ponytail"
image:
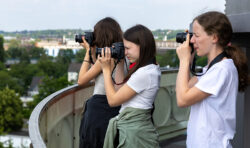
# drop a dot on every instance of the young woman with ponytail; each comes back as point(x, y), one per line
point(212, 96)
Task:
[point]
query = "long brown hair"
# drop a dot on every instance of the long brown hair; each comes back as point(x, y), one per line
point(214, 22)
point(143, 37)
point(106, 32)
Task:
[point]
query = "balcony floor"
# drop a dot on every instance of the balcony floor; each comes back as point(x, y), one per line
point(177, 142)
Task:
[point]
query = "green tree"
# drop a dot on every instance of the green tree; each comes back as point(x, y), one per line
point(52, 69)
point(201, 61)
point(24, 73)
point(2, 53)
point(36, 53)
point(9, 144)
point(50, 85)
point(24, 56)
point(13, 83)
point(169, 58)
point(80, 56)
point(2, 66)
point(65, 56)
point(14, 52)
point(14, 43)
point(11, 117)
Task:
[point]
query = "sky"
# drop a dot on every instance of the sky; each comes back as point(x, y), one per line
point(18, 15)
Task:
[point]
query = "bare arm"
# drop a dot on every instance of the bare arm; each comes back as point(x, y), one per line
point(192, 81)
point(186, 93)
point(115, 98)
point(86, 73)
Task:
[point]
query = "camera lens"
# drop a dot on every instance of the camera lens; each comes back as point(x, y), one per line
point(78, 38)
point(89, 37)
point(98, 51)
point(117, 50)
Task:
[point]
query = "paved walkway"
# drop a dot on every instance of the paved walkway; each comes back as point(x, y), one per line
point(177, 142)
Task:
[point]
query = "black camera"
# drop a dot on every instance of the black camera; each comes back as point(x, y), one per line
point(181, 37)
point(117, 50)
point(89, 37)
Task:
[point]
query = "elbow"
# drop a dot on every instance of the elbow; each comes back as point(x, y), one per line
point(112, 103)
point(181, 103)
point(79, 82)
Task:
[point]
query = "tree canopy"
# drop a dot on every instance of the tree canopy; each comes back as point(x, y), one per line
point(2, 53)
point(11, 117)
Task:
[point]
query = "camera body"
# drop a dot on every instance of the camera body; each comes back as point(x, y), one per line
point(117, 50)
point(181, 37)
point(89, 37)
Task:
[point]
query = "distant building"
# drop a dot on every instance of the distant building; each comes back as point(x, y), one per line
point(6, 46)
point(33, 90)
point(8, 38)
point(52, 47)
point(165, 38)
point(10, 62)
point(73, 72)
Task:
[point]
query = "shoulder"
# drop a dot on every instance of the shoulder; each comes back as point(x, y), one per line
point(144, 78)
point(152, 68)
point(148, 71)
point(225, 67)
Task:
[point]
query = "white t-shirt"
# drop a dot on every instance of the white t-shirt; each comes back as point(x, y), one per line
point(212, 121)
point(145, 81)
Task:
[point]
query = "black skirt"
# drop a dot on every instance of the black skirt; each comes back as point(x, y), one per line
point(95, 121)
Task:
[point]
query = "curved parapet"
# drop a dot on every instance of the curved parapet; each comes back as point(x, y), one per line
point(169, 119)
point(56, 120)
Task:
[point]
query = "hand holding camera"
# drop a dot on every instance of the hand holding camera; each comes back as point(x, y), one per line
point(105, 58)
point(85, 40)
point(117, 49)
point(185, 50)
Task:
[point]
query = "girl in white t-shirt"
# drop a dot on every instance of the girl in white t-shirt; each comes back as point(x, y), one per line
point(212, 96)
point(133, 127)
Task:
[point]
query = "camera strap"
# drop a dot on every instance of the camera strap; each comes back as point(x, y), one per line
point(217, 59)
point(118, 60)
point(90, 57)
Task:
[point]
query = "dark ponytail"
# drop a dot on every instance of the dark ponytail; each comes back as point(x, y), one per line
point(240, 61)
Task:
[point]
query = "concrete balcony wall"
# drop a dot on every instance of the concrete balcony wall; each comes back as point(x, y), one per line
point(56, 120)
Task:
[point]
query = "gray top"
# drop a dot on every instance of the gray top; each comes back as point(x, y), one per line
point(99, 85)
point(99, 82)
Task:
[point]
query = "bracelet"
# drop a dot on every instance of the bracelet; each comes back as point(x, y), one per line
point(86, 61)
